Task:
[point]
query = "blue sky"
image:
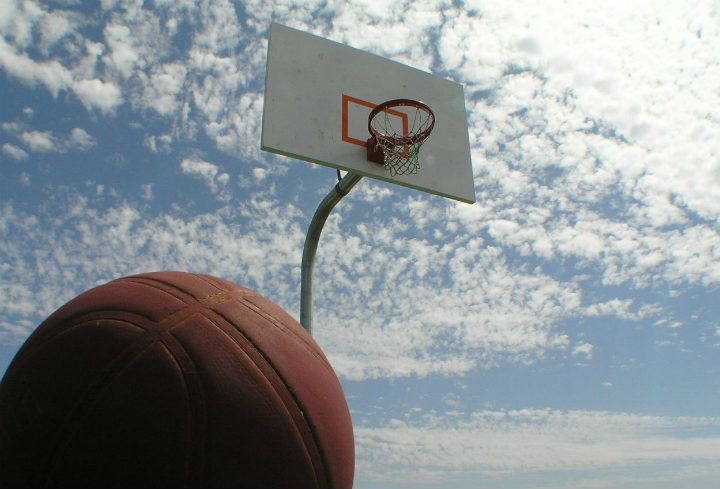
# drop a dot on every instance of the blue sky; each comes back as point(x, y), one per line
point(561, 332)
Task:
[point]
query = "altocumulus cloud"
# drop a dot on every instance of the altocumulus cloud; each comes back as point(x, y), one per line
point(595, 139)
point(497, 444)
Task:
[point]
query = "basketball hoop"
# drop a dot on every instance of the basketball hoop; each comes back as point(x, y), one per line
point(397, 148)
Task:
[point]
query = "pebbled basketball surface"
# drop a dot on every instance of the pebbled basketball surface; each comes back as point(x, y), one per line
point(173, 379)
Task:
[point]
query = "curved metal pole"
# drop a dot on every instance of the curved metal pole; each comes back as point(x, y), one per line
point(311, 242)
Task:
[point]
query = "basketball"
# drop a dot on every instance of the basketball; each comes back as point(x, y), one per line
point(172, 379)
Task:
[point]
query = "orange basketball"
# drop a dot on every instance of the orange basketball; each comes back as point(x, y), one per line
point(173, 380)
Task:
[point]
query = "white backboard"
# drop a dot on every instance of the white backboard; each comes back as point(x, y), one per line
point(319, 93)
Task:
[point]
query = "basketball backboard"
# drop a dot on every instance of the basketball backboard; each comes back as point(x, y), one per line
point(319, 93)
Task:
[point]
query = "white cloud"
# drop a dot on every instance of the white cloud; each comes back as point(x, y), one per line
point(86, 66)
point(585, 349)
point(420, 323)
point(50, 73)
point(164, 87)
point(502, 445)
point(235, 129)
point(95, 93)
point(590, 114)
point(53, 257)
point(40, 141)
point(616, 308)
point(147, 191)
point(54, 27)
point(159, 144)
point(49, 142)
point(259, 174)
point(18, 19)
point(8, 11)
point(451, 401)
point(80, 139)
point(14, 152)
point(374, 192)
point(122, 55)
point(209, 172)
point(587, 157)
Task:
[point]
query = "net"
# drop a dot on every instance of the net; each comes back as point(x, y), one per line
point(399, 138)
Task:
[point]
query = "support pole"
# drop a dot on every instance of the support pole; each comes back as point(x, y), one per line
point(341, 189)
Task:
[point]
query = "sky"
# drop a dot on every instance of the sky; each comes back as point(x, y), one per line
point(564, 331)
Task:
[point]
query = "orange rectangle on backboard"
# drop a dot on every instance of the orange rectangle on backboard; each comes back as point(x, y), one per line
point(354, 137)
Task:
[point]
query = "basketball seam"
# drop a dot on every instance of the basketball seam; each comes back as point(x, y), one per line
point(76, 321)
point(160, 330)
point(196, 404)
point(154, 332)
point(244, 298)
point(284, 329)
point(235, 295)
point(93, 392)
point(86, 316)
point(297, 404)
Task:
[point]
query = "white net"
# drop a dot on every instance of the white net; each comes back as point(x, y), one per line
point(399, 158)
point(399, 135)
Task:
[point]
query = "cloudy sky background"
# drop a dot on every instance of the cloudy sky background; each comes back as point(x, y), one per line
point(564, 331)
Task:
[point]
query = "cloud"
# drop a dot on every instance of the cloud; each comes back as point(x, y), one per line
point(164, 87)
point(54, 27)
point(570, 163)
point(51, 142)
point(375, 192)
point(95, 93)
point(435, 310)
point(387, 303)
point(428, 448)
point(18, 20)
point(122, 54)
point(51, 73)
point(237, 129)
point(621, 308)
point(209, 172)
point(147, 192)
point(51, 256)
point(584, 180)
point(159, 144)
point(14, 152)
point(80, 139)
point(40, 141)
point(585, 349)
point(259, 174)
